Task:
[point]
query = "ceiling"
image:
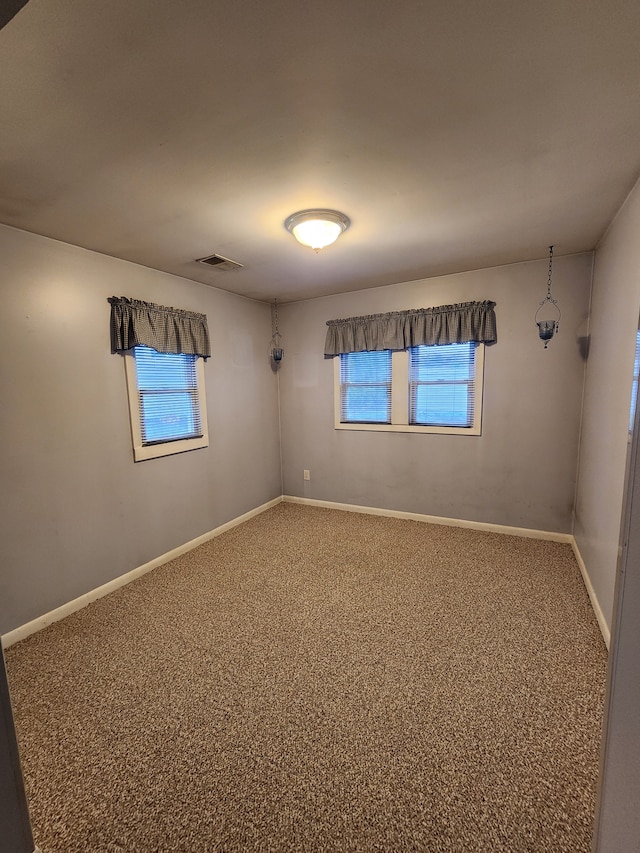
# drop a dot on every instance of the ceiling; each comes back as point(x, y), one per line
point(455, 135)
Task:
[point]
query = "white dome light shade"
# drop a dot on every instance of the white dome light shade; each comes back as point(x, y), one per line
point(317, 228)
point(316, 233)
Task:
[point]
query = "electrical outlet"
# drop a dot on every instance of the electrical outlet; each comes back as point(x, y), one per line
point(307, 474)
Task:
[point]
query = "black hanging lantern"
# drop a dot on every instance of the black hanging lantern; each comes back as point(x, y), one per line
point(548, 313)
point(276, 349)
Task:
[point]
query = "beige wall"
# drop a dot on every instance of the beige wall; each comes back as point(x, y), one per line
point(618, 825)
point(609, 376)
point(522, 470)
point(76, 510)
point(606, 467)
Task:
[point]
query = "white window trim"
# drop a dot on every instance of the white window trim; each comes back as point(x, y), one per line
point(168, 448)
point(400, 400)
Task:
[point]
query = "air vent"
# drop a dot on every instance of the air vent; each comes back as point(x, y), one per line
point(220, 263)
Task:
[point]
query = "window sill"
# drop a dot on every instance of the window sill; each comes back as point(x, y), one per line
point(475, 430)
point(168, 448)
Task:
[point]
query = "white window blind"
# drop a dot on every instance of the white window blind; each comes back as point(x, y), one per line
point(365, 387)
point(442, 385)
point(168, 396)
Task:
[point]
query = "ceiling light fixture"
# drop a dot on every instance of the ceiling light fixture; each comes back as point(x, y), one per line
point(317, 228)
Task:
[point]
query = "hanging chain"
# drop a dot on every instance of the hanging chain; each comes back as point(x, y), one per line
point(548, 297)
point(274, 319)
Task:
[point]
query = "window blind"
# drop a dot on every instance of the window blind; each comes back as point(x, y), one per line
point(168, 396)
point(365, 387)
point(442, 385)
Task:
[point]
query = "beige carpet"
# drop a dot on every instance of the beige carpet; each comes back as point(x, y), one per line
point(321, 681)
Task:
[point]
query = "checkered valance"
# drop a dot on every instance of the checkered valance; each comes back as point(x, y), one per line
point(134, 323)
point(447, 324)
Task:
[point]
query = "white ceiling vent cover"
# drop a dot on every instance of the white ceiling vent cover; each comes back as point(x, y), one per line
point(220, 263)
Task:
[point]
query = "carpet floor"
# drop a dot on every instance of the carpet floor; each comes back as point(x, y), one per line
point(317, 680)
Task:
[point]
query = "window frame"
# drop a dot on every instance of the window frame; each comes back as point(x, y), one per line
point(156, 450)
point(400, 400)
point(381, 384)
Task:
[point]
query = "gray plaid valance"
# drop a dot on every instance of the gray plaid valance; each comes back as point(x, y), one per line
point(447, 324)
point(135, 323)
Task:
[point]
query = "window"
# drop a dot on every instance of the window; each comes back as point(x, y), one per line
point(441, 385)
point(365, 387)
point(423, 389)
point(166, 401)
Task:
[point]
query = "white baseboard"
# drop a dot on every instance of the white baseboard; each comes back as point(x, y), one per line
point(82, 601)
point(436, 519)
point(593, 598)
